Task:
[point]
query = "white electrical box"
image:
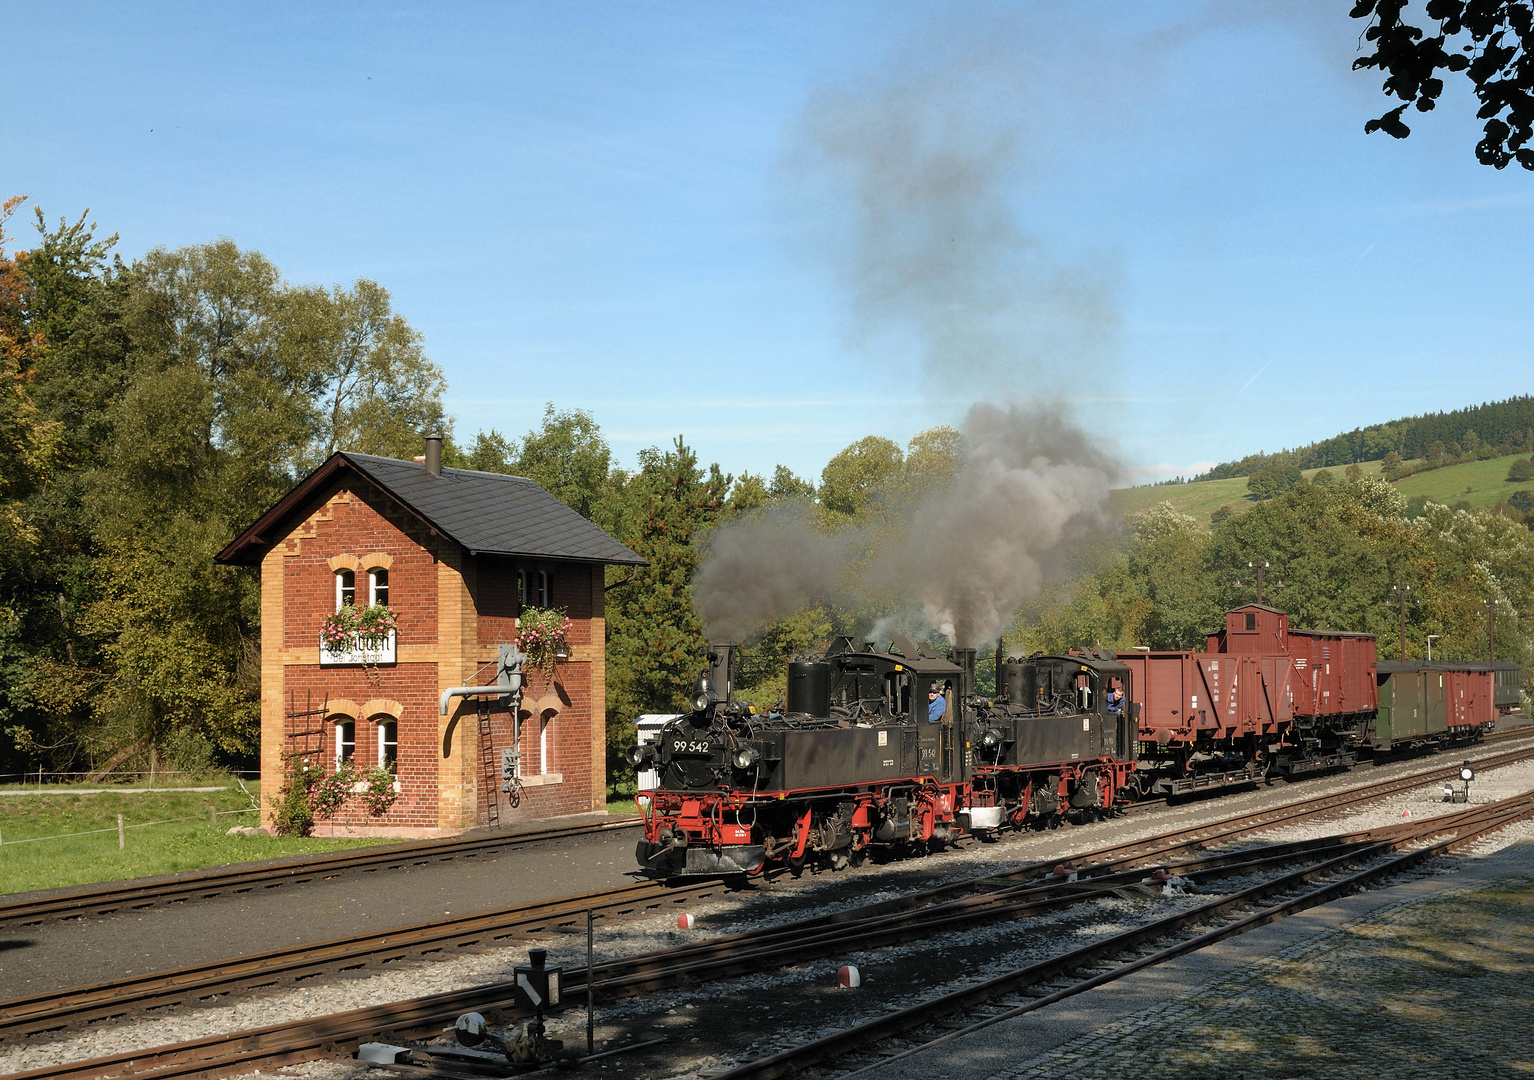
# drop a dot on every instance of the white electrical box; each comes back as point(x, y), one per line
point(649, 726)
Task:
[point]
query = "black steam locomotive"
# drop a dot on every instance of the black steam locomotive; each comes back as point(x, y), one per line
point(881, 753)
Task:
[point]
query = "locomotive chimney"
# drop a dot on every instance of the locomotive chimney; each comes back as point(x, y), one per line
point(721, 668)
point(434, 455)
point(965, 658)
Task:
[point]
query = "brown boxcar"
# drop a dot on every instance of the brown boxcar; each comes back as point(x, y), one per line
point(1469, 695)
point(1187, 695)
point(1334, 670)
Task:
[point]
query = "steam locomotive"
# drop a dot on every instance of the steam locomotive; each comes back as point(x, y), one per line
point(879, 753)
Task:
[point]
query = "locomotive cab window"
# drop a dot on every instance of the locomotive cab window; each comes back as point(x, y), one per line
point(897, 693)
point(1084, 695)
point(346, 588)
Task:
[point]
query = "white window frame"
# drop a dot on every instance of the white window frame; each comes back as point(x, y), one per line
point(342, 589)
point(545, 588)
point(341, 727)
point(543, 744)
point(378, 727)
point(373, 585)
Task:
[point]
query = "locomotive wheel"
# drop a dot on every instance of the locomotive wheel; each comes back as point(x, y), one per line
point(796, 866)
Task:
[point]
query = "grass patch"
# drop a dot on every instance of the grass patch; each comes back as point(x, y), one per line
point(620, 798)
point(1479, 483)
point(77, 854)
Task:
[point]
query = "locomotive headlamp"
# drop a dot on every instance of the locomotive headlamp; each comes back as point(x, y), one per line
point(702, 693)
point(641, 755)
point(1466, 773)
point(746, 757)
point(991, 738)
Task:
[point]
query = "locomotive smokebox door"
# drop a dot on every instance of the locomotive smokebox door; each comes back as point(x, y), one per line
point(537, 983)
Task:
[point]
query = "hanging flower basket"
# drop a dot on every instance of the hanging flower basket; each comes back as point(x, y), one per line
point(544, 635)
point(364, 636)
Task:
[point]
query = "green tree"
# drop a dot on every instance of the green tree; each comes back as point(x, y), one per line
point(785, 485)
point(373, 389)
point(1521, 471)
point(571, 460)
point(1274, 480)
point(654, 638)
point(856, 474)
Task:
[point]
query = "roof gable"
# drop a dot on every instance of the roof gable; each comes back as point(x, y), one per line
point(485, 513)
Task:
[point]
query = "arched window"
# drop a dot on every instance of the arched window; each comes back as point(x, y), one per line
point(346, 588)
point(543, 742)
point(346, 742)
point(521, 588)
point(388, 743)
point(378, 585)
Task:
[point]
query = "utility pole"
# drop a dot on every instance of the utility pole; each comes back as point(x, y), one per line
point(1491, 630)
point(1260, 565)
point(1401, 591)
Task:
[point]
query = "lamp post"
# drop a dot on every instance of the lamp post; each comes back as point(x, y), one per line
point(1430, 638)
point(1260, 565)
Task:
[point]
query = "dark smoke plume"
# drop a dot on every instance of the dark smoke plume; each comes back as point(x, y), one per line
point(766, 567)
point(908, 179)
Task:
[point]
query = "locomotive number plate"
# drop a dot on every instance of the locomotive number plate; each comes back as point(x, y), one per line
point(685, 746)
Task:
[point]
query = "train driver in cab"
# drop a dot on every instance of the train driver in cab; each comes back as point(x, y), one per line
point(1116, 699)
point(937, 704)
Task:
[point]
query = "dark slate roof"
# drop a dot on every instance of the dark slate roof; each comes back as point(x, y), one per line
point(487, 513)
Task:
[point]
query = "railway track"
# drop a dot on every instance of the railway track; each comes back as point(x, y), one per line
point(865, 1049)
point(137, 896)
point(1020, 893)
point(976, 899)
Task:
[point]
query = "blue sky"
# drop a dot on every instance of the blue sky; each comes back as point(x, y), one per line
point(616, 207)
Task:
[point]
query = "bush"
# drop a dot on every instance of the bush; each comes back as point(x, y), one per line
point(295, 808)
point(1522, 501)
point(1522, 471)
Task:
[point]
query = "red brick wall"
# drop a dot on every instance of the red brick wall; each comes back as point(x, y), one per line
point(415, 687)
point(362, 521)
point(357, 528)
point(572, 728)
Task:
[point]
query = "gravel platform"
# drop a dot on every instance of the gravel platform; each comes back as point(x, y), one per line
point(1343, 990)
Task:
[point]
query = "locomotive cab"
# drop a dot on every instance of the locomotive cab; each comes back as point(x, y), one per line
point(1056, 739)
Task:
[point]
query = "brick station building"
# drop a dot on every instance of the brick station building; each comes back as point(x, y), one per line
point(457, 554)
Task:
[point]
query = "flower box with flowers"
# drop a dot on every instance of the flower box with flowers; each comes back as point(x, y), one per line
point(543, 634)
point(367, 636)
